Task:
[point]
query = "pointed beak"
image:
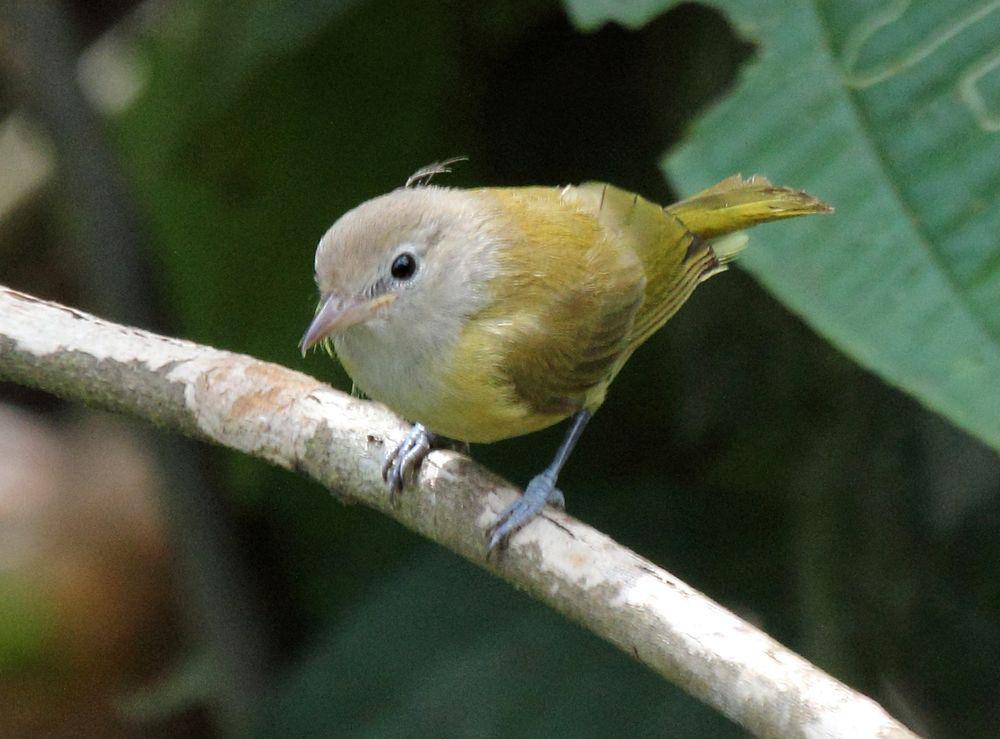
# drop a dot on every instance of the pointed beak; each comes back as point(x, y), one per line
point(336, 314)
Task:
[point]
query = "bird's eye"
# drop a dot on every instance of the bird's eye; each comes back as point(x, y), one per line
point(404, 266)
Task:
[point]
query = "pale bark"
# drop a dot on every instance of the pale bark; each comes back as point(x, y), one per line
point(299, 423)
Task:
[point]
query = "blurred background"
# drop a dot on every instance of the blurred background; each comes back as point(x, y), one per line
point(171, 164)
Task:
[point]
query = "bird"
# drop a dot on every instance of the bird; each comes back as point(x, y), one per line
point(487, 313)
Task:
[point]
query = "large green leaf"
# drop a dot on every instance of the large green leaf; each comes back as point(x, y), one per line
point(891, 112)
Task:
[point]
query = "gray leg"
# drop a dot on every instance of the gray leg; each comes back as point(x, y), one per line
point(406, 457)
point(540, 491)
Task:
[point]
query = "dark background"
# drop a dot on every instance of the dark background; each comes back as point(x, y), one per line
point(737, 449)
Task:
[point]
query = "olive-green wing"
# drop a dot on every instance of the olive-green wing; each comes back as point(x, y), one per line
point(674, 260)
point(571, 297)
point(566, 359)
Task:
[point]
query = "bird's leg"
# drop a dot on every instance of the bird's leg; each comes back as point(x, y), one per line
point(541, 490)
point(406, 457)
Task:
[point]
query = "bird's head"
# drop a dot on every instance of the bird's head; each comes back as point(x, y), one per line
point(400, 258)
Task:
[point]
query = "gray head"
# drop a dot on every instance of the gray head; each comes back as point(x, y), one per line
point(413, 256)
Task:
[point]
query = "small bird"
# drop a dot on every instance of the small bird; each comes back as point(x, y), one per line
point(489, 313)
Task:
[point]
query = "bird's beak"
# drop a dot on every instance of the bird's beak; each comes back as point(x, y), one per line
point(337, 313)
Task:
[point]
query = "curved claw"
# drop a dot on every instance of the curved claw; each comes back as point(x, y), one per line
point(405, 458)
point(540, 492)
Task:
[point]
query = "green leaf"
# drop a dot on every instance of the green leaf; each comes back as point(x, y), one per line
point(28, 626)
point(892, 114)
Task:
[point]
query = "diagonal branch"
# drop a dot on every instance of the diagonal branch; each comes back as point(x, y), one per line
point(299, 423)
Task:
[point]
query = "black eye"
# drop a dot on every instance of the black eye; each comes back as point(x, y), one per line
point(404, 266)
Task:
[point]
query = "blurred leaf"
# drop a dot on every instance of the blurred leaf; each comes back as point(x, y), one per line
point(193, 682)
point(445, 650)
point(882, 112)
point(261, 31)
point(28, 625)
point(204, 54)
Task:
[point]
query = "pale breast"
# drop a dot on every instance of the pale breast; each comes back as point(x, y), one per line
point(394, 369)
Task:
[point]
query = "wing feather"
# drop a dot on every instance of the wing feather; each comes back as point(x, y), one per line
point(572, 296)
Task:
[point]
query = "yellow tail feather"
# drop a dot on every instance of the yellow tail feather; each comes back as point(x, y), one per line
point(735, 203)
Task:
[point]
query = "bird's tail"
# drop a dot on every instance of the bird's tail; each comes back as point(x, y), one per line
point(702, 236)
point(735, 204)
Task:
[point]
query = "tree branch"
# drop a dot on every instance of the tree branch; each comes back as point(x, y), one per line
point(299, 423)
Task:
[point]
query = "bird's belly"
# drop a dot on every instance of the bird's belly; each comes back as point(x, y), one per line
point(467, 401)
point(474, 418)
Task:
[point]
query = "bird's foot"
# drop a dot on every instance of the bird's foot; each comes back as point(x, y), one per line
point(541, 490)
point(405, 458)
